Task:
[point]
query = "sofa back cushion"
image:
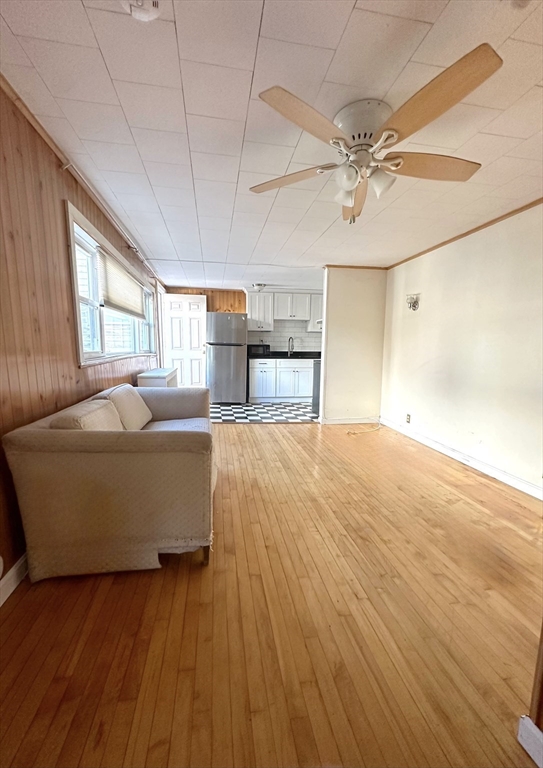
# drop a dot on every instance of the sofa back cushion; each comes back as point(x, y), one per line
point(94, 415)
point(132, 410)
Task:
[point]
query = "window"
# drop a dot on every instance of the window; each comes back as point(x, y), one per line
point(115, 309)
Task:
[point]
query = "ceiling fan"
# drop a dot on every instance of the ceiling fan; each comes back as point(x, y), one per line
point(363, 130)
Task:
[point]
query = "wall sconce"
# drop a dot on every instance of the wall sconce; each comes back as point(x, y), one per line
point(413, 301)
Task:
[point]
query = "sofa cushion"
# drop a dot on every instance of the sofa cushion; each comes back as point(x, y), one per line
point(94, 415)
point(179, 425)
point(130, 406)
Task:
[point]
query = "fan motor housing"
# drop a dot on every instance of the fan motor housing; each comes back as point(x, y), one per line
point(361, 120)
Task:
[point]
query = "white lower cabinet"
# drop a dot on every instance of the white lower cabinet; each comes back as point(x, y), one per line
point(280, 379)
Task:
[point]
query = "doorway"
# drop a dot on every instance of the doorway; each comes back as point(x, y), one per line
point(184, 337)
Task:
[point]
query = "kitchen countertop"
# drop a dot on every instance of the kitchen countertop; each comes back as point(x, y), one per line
point(294, 356)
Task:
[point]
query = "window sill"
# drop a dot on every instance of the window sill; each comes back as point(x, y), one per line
point(114, 359)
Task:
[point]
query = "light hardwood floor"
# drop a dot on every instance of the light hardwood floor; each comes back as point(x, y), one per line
point(369, 602)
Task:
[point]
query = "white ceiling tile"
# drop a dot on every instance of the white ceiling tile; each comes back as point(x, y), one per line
point(151, 106)
point(166, 7)
point(114, 157)
point(86, 165)
point(265, 158)
point(327, 212)
point(139, 203)
point(456, 127)
point(169, 175)
point(522, 69)
point(128, 183)
point(531, 186)
point(522, 119)
point(247, 180)
point(136, 52)
point(215, 91)
point(174, 197)
point(244, 236)
point(185, 214)
point(194, 270)
point(214, 198)
point(11, 50)
point(295, 198)
point(62, 132)
point(505, 169)
point(71, 71)
point(185, 233)
point(97, 122)
point(419, 10)
point(224, 33)
point(207, 133)
point(162, 146)
point(412, 78)
point(375, 49)
point(253, 204)
point(530, 148)
point(234, 271)
point(465, 193)
point(484, 148)
point(311, 151)
point(33, 91)
point(266, 125)
point(531, 30)
point(214, 238)
point(215, 167)
point(189, 252)
point(213, 271)
point(256, 220)
point(285, 215)
point(214, 224)
point(215, 254)
point(172, 272)
point(239, 255)
point(298, 68)
point(462, 26)
point(310, 22)
point(53, 20)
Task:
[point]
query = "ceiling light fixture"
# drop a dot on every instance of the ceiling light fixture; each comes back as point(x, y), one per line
point(381, 181)
point(142, 10)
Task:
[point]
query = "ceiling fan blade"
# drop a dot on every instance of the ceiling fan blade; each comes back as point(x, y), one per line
point(436, 167)
point(360, 196)
point(443, 92)
point(302, 115)
point(292, 178)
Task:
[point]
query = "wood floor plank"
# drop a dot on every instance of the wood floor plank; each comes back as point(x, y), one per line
point(369, 602)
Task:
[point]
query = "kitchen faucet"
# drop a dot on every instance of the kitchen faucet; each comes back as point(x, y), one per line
point(290, 346)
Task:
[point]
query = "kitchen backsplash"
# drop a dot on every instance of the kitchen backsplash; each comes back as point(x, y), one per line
point(282, 330)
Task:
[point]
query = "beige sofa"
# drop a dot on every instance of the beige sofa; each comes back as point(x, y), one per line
point(111, 482)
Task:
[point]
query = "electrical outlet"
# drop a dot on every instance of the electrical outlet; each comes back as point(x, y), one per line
point(408, 418)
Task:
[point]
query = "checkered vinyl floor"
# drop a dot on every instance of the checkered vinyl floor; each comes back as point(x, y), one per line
point(263, 413)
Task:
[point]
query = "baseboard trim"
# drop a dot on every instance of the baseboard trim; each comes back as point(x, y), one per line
point(487, 469)
point(356, 420)
point(12, 579)
point(531, 739)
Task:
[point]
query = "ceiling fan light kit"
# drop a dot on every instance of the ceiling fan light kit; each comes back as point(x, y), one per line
point(363, 131)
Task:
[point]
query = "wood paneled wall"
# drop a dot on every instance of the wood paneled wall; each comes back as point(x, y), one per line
point(38, 360)
point(217, 300)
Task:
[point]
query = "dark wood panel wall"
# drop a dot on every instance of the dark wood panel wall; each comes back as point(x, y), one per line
point(38, 360)
point(217, 300)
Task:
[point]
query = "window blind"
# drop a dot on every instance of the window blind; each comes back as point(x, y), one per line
point(118, 289)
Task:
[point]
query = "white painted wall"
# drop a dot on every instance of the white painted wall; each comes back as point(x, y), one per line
point(351, 376)
point(467, 365)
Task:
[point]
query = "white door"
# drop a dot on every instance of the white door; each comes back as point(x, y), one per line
point(301, 306)
point(304, 382)
point(185, 338)
point(285, 382)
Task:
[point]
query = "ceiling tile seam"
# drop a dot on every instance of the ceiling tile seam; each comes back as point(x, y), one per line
point(55, 42)
point(135, 143)
point(529, 16)
point(243, 137)
point(303, 45)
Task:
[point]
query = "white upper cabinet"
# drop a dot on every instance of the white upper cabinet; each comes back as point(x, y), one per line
point(260, 312)
point(316, 312)
point(291, 306)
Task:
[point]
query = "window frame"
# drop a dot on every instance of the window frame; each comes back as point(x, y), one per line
point(96, 357)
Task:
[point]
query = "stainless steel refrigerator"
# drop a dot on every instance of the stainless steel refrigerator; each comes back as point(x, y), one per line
point(226, 357)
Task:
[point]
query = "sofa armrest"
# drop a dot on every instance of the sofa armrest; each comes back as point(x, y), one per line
point(176, 403)
point(82, 441)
